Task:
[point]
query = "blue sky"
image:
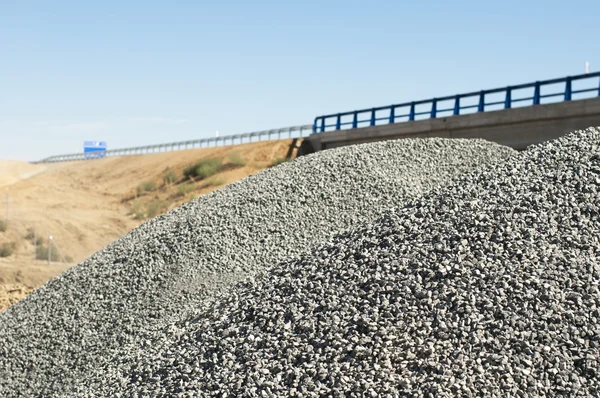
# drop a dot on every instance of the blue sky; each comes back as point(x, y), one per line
point(144, 72)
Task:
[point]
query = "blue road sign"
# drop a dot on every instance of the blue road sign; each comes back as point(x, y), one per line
point(94, 149)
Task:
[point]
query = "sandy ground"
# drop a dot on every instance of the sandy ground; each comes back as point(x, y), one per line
point(13, 171)
point(86, 205)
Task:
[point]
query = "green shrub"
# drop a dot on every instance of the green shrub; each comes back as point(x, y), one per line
point(278, 161)
point(207, 170)
point(184, 189)
point(7, 249)
point(147, 186)
point(170, 177)
point(41, 253)
point(3, 226)
point(189, 171)
point(236, 160)
point(203, 169)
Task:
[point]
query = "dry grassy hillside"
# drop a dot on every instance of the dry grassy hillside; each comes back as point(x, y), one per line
point(87, 204)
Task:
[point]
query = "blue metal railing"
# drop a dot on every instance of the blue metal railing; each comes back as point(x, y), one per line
point(410, 111)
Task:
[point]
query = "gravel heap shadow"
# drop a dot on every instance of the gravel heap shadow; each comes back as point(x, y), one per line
point(80, 321)
point(487, 287)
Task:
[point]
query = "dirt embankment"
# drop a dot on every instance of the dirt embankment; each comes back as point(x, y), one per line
point(86, 205)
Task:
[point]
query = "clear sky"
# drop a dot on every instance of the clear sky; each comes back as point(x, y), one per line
point(144, 72)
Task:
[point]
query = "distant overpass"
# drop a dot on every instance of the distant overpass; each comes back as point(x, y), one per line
point(515, 116)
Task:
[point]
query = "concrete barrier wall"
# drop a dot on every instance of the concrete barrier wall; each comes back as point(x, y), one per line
point(516, 128)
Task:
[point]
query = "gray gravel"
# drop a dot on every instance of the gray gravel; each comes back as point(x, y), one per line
point(487, 287)
point(118, 300)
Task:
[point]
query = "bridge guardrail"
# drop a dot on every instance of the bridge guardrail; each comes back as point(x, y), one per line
point(575, 87)
point(292, 132)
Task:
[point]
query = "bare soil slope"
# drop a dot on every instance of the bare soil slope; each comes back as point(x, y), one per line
point(86, 205)
point(14, 171)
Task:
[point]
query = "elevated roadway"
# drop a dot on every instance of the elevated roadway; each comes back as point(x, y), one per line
point(516, 116)
point(516, 128)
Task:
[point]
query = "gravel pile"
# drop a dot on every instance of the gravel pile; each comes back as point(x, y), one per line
point(122, 296)
point(487, 287)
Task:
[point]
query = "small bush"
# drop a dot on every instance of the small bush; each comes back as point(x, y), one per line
point(155, 207)
point(170, 177)
point(3, 226)
point(203, 169)
point(7, 249)
point(189, 171)
point(148, 210)
point(184, 189)
point(147, 186)
point(35, 240)
point(278, 161)
point(41, 253)
point(214, 182)
point(137, 211)
point(236, 160)
point(207, 170)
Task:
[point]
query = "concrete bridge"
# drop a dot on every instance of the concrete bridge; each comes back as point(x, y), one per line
point(513, 126)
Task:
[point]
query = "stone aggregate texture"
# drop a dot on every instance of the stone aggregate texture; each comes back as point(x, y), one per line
point(486, 287)
point(104, 312)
